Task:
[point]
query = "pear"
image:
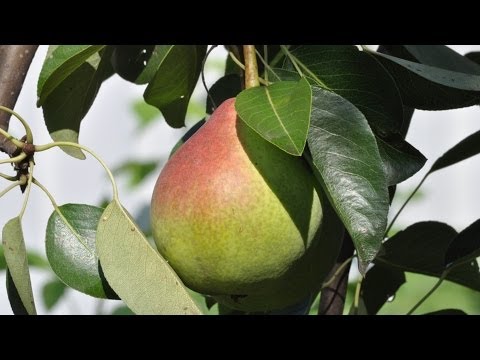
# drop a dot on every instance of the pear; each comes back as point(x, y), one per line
point(241, 220)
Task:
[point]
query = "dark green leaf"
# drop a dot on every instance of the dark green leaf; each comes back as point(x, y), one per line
point(159, 54)
point(209, 302)
point(14, 297)
point(280, 113)
point(435, 55)
point(400, 159)
point(447, 312)
point(172, 85)
point(357, 77)
point(431, 88)
point(139, 275)
point(61, 62)
point(136, 171)
point(380, 284)
point(421, 248)
point(17, 262)
point(129, 61)
point(71, 99)
point(225, 88)
point(145, 113)
point(345, 153)
point(187, 136)
point(468, 147)
point(474, 56)
point(52, 292)
point(70, 247)
point(465, 246)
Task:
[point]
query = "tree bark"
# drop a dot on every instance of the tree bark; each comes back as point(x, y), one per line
point(15, 61)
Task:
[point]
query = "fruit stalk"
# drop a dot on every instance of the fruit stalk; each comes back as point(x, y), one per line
point(251, 67)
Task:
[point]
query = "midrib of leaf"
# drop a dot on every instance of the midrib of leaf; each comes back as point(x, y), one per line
point(278, 118)
point(77, 235)
point(309, 72)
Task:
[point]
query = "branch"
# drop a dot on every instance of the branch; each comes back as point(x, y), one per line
point(332, 298)
point(15, 61)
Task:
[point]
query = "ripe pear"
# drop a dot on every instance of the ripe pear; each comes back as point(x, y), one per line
point(241, 220)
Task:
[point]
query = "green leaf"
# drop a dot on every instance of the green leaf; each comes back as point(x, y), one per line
point(435, 55)
point(139, 275)
point(225, 88)
point(465, 246)
point(71, 99)
point(421, 248)
point(280, 113)
point(158, 55)
point(16, 258)
point(431, 88)
point(447, 312)
point(400, 159)
point(468, 147)
point(34, 260)
point(474, 56)
point(129, 61)
point(380, 284)
point(172, 85)
point(136, 171)
point(122, 310)
point(357, 77)
point(61, 62)
point(345, 153)
point(186, 136)
point(52, 292)
point(70, 247)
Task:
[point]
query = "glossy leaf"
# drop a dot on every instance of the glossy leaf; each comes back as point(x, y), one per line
point(400, 159)
point(71, 99)
point(129, 61)
point(421, 248)
point(16, 258)
point(380, 284)
point(225, 88)
point(61, 62)
point(468, 147)
point(345, 153)
point(465, 246)
point(431, 88)
point(138, 274)
point(52, 292)
point(280, 113)
point(357, 77)
point(172, 85)
point(435, 55)
point(70, 247)
point(158, 55)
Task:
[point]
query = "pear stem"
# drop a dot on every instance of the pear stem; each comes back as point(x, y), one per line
point(251, 67)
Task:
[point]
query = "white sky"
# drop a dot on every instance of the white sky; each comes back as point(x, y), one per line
point(109, 128)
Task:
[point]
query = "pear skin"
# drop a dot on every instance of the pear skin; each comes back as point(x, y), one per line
point(241, 220)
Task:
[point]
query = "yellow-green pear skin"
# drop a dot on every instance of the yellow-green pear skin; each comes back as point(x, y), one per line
point(241, 220)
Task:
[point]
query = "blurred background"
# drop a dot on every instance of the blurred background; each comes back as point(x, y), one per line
point(134, 140)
